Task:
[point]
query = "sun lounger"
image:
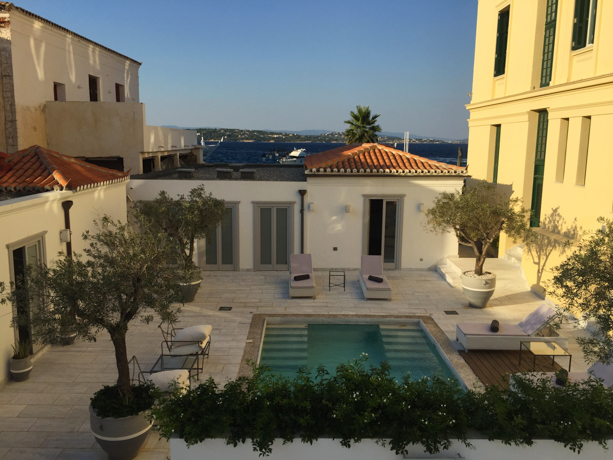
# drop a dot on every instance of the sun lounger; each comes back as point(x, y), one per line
point(478, 336)
point(598, 370)
point(165, 381)
point(299, 267)
point(184, 348)
point(372, 266)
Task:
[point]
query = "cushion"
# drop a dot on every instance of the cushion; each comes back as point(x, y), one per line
point(192, 334)
point(372, 265)
point(376, 279)
point(536, 320)
point(484, 329)
point(188, 349)
point(374, 286)
point(302, 277)
point(169, 380)
point(300, 263)
point(604, 372)
point(495, 326)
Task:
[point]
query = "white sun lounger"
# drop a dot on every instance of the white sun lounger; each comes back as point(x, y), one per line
point(598, 370)
point(373, 265)
point(478, 336)
point(300, 264)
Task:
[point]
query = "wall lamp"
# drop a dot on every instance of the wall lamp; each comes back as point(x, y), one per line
point(347, 208)
point(421, 207)
point(311, 206)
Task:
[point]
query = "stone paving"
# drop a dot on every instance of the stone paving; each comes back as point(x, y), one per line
point(47, 416)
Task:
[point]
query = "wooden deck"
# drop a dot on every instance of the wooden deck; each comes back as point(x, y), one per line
point(494, 367)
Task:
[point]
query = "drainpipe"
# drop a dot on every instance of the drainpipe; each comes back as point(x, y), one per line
point(67, 205)
point(302, 193)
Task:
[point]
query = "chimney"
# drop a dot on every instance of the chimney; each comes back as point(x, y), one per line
point(4, 166)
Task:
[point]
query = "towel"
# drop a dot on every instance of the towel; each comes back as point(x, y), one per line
point(376, 279)
point(495, 326)
point(302, 277)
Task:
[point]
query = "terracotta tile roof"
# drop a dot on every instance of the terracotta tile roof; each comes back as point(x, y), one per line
point(8, 7)
point(36, 169)
point(375, 159)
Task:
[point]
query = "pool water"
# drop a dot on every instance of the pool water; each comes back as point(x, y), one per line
point(406, 348)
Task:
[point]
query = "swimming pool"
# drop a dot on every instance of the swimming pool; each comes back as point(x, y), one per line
point(406, 347)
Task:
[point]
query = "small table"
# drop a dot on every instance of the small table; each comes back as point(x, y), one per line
point(544, 349)
point(336, 273)
point(171, 363)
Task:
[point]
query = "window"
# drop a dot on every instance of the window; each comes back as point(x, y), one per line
point(94, 88)
point(539, 168)
point(496, 154)
point(584, 145)
point(584, 24)
point(59, 92)
point(501, 42)
point(548, 41)
point(120, 93)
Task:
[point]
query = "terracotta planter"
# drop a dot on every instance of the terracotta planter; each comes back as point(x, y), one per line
point(479, 290)
point(190, 290)
point(20, 369)
point(120, 438)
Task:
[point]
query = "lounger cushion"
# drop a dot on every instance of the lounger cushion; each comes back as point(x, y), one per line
point(300, 264)
point(604, 372)
point(192, 334)
point(302, 277)
point(538, 319)
point(189, 349)
point(169, 380)
point(484, 329)
point(376, 279)
point(302, 283)
point(372, 265)
point(373, 285)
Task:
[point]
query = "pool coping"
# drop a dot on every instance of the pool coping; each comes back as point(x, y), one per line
point(256, 330)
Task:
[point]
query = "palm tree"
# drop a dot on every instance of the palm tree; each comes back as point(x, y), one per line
point(362, 126)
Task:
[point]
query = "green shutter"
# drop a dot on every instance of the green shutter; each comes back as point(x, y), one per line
point(581, 22)
point(539, 168)
point(501, 43)
point(496, 155)
point(549, 41)
point(590, 34)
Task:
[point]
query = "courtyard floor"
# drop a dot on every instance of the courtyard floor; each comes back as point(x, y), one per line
point(47, 416)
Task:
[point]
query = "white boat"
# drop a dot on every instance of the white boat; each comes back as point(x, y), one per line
point(295, 157)
point(208, 149)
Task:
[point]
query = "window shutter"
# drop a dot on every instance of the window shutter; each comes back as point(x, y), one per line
point(580, 24)
point(549, 42)
point(501, 43)
point(539, 168)
point(590, 38)
point(496, 155)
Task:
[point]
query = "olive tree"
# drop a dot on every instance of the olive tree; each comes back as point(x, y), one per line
point(121, 276)
point(583, 285)
point(477, 216)
point(184, 220)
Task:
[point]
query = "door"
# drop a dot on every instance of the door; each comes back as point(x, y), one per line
point(22, 257)
point(274, 237)
point(220, 248)
point(383, 231)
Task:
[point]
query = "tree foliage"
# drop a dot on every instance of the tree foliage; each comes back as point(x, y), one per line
point(184, 220)
point(363, 126)
point(477, 216)
point(121, 276)
point(583, 285)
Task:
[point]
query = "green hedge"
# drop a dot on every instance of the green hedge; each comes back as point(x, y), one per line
point(361, 402)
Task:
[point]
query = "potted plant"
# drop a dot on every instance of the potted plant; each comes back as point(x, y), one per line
point(477, 216)
point(21, 364)
point(184, 220)
point(562, 377)
point(123, 276)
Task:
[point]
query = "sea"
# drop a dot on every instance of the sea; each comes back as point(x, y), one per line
point(253, 152)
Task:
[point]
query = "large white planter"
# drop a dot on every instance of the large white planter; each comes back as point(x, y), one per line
point(121, 438)
point(478, 291)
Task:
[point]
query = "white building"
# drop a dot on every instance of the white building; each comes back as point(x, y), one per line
point(358, 199)
point(67, 93)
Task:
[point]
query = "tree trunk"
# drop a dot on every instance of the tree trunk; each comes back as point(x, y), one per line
point(123, 369)
point(479, 261)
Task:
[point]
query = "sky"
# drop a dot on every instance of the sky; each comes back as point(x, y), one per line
point(289, 65)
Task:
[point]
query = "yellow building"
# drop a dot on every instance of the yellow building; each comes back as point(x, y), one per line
point(541, 116)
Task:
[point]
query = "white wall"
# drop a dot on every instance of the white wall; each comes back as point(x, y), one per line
point(159, 138)
point(43, 54)
point(367, 449)
point(24, 217)
point(328, 225)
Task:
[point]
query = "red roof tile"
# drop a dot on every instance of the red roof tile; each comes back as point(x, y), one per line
point(376, 159)
point(36, 169)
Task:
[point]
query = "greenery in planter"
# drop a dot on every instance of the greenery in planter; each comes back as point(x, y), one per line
point(21, 350)
point(360, 402)
point(110, 402)
point(184, 220)
point(477, 216)
point(123, 276)
point(583, 285)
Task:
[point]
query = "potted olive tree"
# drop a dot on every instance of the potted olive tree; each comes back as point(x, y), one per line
point(184, 220)
point(477, 216)
point(122, 276)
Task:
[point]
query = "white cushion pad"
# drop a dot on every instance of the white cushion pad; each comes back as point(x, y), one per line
point(192, 334)
point(169, 380)
point(188, 349)
point(484, 329)
point(373, 285)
